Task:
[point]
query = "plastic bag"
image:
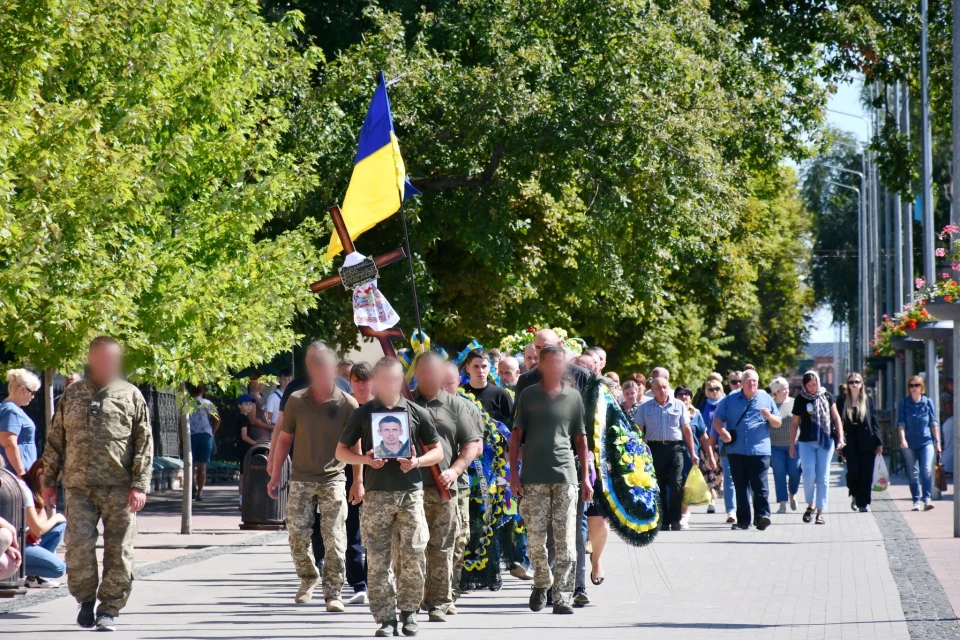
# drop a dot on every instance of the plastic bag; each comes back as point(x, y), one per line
point(695, 490)
point(881, 479)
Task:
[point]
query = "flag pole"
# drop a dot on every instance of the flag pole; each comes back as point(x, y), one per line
point(413, 280)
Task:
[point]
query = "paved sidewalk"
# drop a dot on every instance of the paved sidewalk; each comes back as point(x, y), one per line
point(792, 581)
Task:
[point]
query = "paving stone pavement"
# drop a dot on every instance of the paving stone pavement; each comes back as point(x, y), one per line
point(792, 581)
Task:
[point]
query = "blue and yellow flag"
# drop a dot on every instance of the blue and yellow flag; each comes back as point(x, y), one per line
point(379, 179)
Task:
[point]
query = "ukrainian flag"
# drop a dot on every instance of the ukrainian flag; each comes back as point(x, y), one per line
point(379, 178)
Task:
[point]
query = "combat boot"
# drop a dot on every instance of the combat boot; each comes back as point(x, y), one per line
point(85, 618)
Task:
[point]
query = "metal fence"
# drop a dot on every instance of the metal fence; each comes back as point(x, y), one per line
point(164, 422)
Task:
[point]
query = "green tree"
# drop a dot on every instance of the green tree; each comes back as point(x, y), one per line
point(836, 223)
point(140, 157)
point(584, 164)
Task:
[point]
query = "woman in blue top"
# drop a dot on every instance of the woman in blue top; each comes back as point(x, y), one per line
point(919, 439)
point(18, 447)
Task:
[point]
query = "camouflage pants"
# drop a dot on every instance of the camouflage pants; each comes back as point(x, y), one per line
point(301, 509)
point(443, 525)
point(85, 508)
point(551, 504)
point(463, 521)
point(384, 515)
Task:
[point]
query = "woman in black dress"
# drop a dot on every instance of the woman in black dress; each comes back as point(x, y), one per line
point(862, 434)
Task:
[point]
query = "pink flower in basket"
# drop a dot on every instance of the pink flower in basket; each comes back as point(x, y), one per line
point(941, 252)
point(919, 282)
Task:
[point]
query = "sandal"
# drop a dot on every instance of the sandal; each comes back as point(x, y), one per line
point(596, 576)
point(820, 519)
point(808, 515)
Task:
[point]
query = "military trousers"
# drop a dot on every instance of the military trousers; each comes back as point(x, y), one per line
point(463, 536)
point(85, 508)
point(387, 514)
point(443, 525)
point(302, 504)
point(541, 506)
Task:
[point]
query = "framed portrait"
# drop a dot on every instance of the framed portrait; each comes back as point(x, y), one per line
point(391, 435)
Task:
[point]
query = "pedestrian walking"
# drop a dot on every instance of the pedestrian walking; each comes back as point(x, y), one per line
point(204, 424)
point(919, 440)
point(717, 475)
point(361, 382)
point(313, 420)
point(786, 468)
point(665, 424)
point(631, 398)
point(100, 440)
point(18, 447)
point(458, 425)
point(547, 418)
point(743, 421)
point(816, 423)
point(393, 501)
point(864, 443)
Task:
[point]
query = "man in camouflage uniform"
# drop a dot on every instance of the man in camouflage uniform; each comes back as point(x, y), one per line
point(100, 439)
point(460, 439)
point(392, 502)
point(313, 420)
point(546, 418)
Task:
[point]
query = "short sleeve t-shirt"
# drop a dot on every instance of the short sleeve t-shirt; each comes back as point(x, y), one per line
point(316, 429)
point(200, 418)
point(456, 425)
point(273, 406)
point(803, 409)
point(390, 477)
point(495, 400)
point(548, 424)
point(14, 420)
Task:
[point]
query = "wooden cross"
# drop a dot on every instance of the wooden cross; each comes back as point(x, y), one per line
point(385, 337)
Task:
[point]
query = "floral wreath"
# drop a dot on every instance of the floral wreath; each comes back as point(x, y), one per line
point(517, 342)
point(494, 481)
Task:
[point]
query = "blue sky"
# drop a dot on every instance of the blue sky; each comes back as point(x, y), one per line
point(846, 99)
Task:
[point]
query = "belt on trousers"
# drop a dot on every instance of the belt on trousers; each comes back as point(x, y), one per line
point(649, 442)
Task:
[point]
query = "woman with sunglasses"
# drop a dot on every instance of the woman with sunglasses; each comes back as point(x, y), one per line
point(816, 420)
point(717, 475)
point(919, 440)
point(864, 444)
point(18, 448)
point(735, 381)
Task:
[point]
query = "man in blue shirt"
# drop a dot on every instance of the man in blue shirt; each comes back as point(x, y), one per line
point(743, 421)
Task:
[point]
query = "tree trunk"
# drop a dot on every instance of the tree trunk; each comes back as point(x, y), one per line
point(186, 514)
point(48, 396)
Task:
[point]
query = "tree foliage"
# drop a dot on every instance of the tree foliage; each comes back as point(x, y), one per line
point(140, 157)
point(585, 164)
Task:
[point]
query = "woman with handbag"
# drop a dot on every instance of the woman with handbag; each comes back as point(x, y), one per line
point(919, 440)
point(864, 444)
point(818, 423)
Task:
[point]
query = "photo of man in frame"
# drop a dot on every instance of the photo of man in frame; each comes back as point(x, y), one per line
point(391, 438)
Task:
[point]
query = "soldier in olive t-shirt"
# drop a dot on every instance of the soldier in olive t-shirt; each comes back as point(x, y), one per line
point(548, 416)
point(317, 479)
point(458, 424)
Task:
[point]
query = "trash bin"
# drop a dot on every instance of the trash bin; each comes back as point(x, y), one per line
point(260, 511)
point(12, 510)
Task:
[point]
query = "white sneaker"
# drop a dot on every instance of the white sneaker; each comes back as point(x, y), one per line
point(360, 597)
point(711, 508)
point(783, 508)
point(916, 506)
point(36, 582)
point(684, 525)
point(731, 516)
point(793, 503)
point(927, 505)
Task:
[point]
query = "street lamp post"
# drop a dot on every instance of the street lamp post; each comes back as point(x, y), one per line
point(862, 263)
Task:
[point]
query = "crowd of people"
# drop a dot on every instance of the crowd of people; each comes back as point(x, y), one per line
point(381, 469)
